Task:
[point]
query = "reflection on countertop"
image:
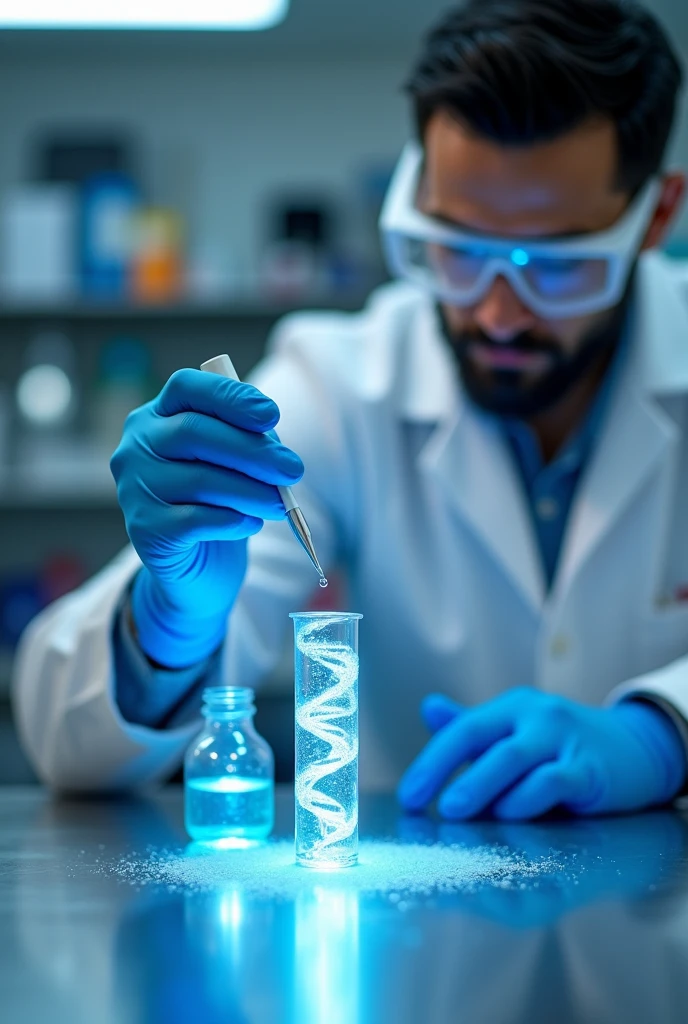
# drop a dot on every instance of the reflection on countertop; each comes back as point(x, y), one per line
point(605, 941)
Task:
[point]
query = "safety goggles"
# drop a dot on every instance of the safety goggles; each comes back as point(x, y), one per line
point(555, 278)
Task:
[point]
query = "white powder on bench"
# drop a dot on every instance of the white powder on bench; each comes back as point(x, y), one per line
point(387, 868)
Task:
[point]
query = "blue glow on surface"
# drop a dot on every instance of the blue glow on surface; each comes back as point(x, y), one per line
point(328, 966)
point(520, 257)
point(199, 847)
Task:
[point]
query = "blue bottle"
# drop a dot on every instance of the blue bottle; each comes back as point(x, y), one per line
point(229, 772)
point(108, 205)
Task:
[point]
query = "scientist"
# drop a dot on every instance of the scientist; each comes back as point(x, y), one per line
point(496, 450)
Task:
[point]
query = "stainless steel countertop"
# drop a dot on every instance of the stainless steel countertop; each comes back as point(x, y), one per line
point(606, 942)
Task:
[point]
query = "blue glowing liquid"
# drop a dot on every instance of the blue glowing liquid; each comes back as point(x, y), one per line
point(326, 750)
point(229, 806)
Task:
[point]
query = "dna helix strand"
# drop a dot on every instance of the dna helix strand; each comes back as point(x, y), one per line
point(320, 716)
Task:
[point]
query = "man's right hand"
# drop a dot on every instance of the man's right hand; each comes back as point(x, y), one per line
point(197, 472)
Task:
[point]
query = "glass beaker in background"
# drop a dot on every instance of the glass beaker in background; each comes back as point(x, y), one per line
point(326, 777)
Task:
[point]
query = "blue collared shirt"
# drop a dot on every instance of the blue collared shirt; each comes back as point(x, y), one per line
point(551, 487)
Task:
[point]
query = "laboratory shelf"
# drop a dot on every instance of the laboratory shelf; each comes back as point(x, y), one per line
point(242, 307)
point(19, 491)
point(27, 498)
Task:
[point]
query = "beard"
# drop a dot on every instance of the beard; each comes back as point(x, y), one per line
point(510, 393)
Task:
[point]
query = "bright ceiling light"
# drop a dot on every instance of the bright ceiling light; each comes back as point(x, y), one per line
point(223, 15)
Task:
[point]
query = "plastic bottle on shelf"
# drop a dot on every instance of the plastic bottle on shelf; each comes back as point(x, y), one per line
point(108, 207)
point(124, 383)
point(48, 453)
point(157, 271)
point(47, 397)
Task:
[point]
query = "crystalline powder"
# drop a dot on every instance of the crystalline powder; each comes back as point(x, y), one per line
point(385, 868)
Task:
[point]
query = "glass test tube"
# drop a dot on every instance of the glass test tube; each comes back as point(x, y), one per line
point(326, 679)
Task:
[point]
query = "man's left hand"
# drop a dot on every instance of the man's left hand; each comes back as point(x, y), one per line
point(528, 752)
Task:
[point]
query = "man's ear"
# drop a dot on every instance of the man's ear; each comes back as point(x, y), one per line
point(673, 191)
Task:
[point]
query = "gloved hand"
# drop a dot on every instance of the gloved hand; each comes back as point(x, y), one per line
point(197, 473)
point(529, 752)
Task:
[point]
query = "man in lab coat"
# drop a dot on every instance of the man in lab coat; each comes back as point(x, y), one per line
point(496, 449)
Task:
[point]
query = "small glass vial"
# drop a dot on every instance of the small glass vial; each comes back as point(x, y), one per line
point(229, 772)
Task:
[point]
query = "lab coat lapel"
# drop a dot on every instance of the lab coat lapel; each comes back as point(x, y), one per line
point(467, 455)
point(470, 459)
point(635, 440)
point(638, 433)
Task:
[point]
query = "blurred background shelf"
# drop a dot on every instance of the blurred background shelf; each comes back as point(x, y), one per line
point(243, 308)
point(21, 494)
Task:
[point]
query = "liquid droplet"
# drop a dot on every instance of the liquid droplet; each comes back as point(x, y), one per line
point(322, 581)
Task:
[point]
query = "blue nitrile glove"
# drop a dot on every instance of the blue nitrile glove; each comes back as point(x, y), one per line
point(197, 473)
point(529, 751)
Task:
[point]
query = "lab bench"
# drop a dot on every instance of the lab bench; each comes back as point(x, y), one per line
point(605, 941)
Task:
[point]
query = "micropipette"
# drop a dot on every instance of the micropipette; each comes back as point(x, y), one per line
point(223, 366)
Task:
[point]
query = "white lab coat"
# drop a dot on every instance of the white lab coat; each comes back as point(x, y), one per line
point(416, 491)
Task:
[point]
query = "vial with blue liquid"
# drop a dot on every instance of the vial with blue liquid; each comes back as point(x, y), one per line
point(229, 772)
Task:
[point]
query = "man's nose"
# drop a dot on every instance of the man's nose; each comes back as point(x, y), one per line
point(501, 314)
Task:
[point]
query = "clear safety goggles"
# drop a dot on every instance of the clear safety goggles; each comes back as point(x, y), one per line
point(555, 278)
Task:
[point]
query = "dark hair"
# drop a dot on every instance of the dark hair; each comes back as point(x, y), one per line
point(525, 71)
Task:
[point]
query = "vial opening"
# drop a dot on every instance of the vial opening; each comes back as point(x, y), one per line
point(227, 700)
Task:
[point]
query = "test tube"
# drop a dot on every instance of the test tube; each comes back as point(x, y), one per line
point(326, 682)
